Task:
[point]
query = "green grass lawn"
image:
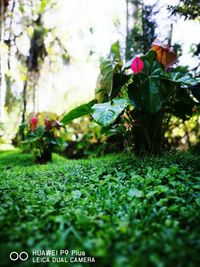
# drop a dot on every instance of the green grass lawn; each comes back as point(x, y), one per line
point(122, 210)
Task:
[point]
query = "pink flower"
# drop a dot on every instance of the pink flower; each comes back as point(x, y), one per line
point(33, 123)
point(137, 65)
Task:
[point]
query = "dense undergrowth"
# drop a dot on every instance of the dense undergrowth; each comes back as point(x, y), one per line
point(122, 210)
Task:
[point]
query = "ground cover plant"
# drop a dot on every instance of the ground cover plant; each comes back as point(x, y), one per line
point(120, 209)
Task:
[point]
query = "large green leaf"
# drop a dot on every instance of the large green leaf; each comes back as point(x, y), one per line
point(150, 90)
point(119, 80)
point(134, 95)
point(187, 80)
point(108, 68)
point(104, 81)
point(182, 78)
point(150, 56)
point(106, 113)
point(151, 64)
point(115, 52)
point(78, 112)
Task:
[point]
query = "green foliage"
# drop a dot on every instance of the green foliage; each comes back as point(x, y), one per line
point(146, 91)
point(42, 140)
point(109, 68)
point(106, 113)
point(104, 82)
point(190, 9)
point(78, 112)
point(155, 92)
point(87, 139)
point(122, 210)
point(148, 96)
point(184, 133)
point(181, 76)
point(150, 90)
point(43, 5)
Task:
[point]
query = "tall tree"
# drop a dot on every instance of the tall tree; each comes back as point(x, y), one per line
point(32, 25)
point(140, 27)
point(37, 52)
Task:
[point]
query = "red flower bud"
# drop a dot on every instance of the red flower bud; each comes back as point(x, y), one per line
point(137, 65)
point(33, 123)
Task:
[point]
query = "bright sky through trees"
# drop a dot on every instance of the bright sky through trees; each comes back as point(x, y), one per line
point(87, 28)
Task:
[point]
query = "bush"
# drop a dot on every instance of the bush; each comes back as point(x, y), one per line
point(86, 139)
point(43, 139)
point(145, 98)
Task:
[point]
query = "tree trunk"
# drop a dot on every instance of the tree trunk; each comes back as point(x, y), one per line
point(170, 35)
point(3, 64)
point(24, 99)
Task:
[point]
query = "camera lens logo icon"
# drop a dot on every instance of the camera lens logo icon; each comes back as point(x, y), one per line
point(14, 256)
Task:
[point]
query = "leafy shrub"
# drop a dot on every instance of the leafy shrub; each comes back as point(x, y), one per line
point(42, 139)
point(86, 139)
point(146, 97)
